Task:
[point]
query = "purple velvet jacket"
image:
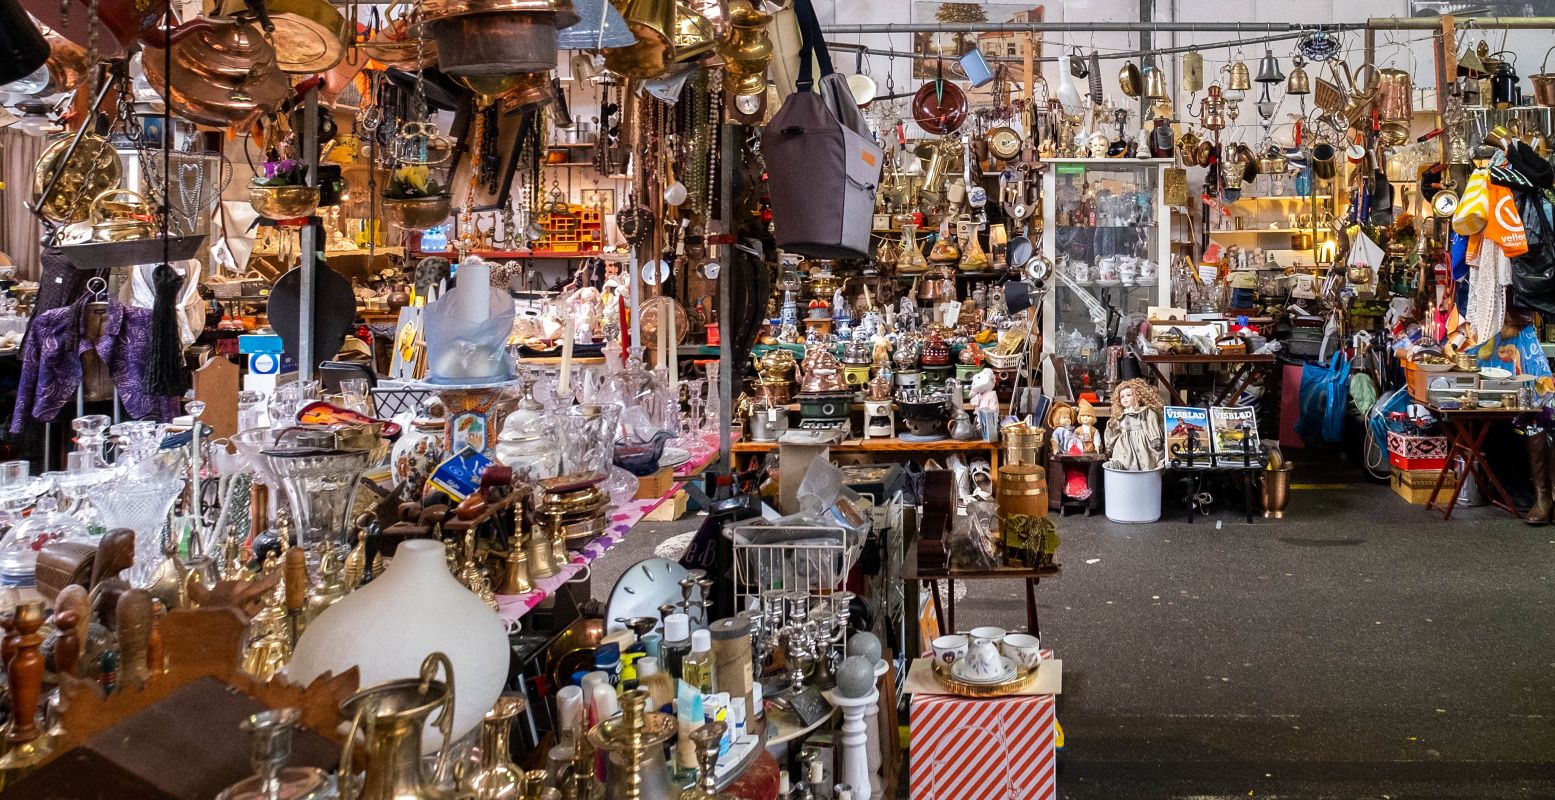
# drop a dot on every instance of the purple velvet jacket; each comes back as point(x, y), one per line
point(51, 362)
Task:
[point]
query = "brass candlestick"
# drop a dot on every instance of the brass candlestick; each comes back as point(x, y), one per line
point(634, 740)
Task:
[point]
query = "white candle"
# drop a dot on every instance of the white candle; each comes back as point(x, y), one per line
point(674, 355)
point(472, 296)
point(661, 358)
point(564, 385)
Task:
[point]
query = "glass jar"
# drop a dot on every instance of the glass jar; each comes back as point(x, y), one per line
point(19, 550)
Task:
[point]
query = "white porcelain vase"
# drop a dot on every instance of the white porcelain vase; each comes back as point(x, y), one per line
point(388, 627)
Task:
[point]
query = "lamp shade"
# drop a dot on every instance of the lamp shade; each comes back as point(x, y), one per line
point(22, 46)
point(388, 627)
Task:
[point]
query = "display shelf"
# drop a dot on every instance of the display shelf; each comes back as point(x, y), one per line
point(1280, 197)
point(1287, 231)
point(512, 607)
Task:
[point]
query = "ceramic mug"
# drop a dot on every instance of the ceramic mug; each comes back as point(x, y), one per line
point(1022, 648)
point(987, 634)
point(948, 649)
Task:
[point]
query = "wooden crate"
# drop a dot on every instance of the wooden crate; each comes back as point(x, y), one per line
point(670, 510)
point(654, 486)
point(1415, 485)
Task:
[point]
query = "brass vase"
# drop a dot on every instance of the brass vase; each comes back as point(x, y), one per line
point(747, 50)
point(1276, 491)
point(497, 777)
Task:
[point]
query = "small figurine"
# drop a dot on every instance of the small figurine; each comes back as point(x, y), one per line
point(1085, 433)
point(1098, 144)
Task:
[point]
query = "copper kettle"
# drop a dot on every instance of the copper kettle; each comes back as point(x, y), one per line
point(224, 72)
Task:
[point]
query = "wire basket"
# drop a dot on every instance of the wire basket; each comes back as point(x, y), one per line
point(788, 558)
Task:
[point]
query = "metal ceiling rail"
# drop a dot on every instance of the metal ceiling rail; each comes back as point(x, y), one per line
point(1092, 27)
point(1482, 23)
point(1156, 51)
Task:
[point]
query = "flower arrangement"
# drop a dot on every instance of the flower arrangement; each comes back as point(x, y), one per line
point(285, 172)
point(413, 182)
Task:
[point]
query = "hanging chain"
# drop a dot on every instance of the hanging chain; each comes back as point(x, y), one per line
point(92, 24)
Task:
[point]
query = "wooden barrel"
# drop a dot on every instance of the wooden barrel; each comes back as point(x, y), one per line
point(1022, 490)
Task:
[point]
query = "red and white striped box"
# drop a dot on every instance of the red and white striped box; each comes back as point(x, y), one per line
point(998, 748)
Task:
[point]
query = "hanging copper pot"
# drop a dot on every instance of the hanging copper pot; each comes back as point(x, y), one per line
point(1544, 83)
point(224, 73)
point(497, 37)
point(1129, 79)
point(939, 107)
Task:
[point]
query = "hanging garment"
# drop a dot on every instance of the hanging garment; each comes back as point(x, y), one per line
point(1490, 274)
point(52, 355)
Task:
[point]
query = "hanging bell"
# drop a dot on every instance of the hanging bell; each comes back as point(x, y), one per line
point(1155, 83)
point(1240, 80)
point(1193, 72)
point(1269, 68)
point(1298, 83)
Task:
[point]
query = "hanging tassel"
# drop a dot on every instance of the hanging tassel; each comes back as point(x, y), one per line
point(165, 374)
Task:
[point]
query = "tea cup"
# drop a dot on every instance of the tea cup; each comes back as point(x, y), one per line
point(983, 661)
point(1022, 648)
point(950, 648)
point(987, 634)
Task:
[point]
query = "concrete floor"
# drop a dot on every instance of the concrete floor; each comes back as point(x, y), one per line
point(1359, 648)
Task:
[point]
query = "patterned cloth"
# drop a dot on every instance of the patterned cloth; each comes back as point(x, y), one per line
point(51, 362)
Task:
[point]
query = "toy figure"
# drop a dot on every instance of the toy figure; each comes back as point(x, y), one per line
point(1061, 422)
point(1085, 432)
point(1134, 436)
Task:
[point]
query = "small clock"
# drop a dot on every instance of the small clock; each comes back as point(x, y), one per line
point(1004, 143)
point(1444, 203)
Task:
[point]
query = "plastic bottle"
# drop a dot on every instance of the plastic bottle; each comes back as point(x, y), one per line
point(698, 668)
point(676, 645)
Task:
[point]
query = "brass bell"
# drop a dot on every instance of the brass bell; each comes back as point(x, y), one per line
point(1155, 83)
point(1240, 80)
point(1298, 83)
point(653, 23)
point(1269, 68)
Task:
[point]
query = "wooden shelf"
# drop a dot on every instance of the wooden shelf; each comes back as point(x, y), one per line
point(892, 445)
point(1281, 197)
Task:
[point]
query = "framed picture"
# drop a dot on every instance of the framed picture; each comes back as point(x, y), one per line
point(600, 198)
point(936, 51)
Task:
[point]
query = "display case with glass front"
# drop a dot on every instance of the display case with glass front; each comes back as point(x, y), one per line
point(1105, 235)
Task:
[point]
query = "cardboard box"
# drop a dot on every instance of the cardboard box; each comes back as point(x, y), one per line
point(654, 486)
point(1000, 748)
point(1415, 486)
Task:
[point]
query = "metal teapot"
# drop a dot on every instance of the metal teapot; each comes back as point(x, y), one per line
point(116, 220)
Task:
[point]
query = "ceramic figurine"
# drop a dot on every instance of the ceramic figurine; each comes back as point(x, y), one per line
point(1061, 423)
point(1085, 432)
point(1134, 438)
point(1097, 144)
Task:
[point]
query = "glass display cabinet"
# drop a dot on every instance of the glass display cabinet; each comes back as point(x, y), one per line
point(1105, 234)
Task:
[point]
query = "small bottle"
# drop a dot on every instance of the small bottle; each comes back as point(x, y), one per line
point(607, 659)
point(785, 786)
point(650, 642)
point(698, 668)
point(676, 645)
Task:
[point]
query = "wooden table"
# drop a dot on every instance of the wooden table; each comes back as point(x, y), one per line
point(1466, 430)
point(1248, 369)
point(945, 612)
point(892, 445)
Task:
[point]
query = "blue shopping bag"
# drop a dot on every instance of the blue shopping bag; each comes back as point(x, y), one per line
point(1324, 393)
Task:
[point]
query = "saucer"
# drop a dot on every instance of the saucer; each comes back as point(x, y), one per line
point(959, 671)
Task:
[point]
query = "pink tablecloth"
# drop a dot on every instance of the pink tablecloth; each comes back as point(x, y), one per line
point(514, 606)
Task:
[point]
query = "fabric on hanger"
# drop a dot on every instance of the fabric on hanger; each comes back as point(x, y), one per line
point(165, 373)
point(52, 362)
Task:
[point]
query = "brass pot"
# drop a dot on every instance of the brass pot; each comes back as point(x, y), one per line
point(224, 73)
point(1276, 491)
point(115, 220)
point(417, 213)
point(283, 202)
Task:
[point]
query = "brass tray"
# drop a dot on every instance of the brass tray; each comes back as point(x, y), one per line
point(1023, 678)
point(93, 168)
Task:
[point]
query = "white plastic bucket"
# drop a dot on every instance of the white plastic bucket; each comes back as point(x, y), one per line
point(1132, 496)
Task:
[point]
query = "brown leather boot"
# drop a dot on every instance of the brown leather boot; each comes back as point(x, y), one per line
point(1539, 467)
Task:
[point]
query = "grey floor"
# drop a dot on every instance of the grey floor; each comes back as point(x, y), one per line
point(1359, 648)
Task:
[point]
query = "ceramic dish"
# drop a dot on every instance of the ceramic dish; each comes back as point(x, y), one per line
point(1007, 671)
point(1490, 404)
point(1428, 367)
point(674, 457)
point(1494, 373)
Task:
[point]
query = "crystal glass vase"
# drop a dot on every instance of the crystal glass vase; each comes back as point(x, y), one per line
point(140, 503)
point(588, 435)
point(319, 488)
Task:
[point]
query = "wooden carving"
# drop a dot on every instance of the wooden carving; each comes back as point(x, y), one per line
point(198, 643)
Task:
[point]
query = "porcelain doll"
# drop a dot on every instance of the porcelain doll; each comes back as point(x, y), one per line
point(1061, 423)
point(1085, 433)
point(1134, 438)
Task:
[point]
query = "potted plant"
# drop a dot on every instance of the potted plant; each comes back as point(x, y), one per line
point(414, 199)
point(283, 192)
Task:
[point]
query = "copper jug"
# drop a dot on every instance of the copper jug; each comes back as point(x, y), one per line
point(1395, 104)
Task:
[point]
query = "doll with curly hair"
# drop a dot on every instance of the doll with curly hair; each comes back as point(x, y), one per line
point(1134, 436)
